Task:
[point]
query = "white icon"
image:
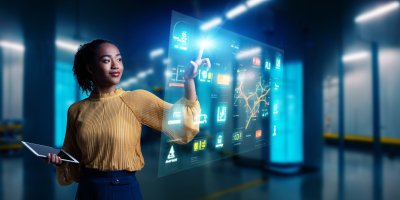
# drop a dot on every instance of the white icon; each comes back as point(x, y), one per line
point(171, 153)
point(176, 114)
point(184, 37)
point(219, 142)
point(221, 116)
point(267, 65)
point(203, 118)
point(200, 119)
point(264, 113)
point(275, 109)
point(173, 122)
point(278, 63)
point(276, 86)
point(204, 74)
point(171, 156)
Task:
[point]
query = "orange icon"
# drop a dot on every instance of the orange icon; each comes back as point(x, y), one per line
point(258, 133)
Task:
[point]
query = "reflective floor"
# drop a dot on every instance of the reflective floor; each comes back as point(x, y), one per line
point(359, 178)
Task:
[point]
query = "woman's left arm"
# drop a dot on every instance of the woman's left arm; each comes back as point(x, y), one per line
point(160, 115)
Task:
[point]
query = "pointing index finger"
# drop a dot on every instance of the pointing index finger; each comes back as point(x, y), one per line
point(200, 53)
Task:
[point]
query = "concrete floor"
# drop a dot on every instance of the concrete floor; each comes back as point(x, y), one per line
point(359, 178)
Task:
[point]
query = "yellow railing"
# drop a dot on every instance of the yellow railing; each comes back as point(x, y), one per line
point(9, 127)
point(362, 138)
point(10, 135)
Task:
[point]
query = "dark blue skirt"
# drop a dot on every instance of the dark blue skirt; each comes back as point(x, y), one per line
point(98, 185)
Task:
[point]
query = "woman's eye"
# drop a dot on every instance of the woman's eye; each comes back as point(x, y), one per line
point(106, 61)
point(119, 59)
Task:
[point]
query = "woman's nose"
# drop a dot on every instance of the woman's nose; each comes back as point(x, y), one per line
point(114, 65)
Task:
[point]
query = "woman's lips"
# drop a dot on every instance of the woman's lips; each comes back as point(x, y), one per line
point(115, 74)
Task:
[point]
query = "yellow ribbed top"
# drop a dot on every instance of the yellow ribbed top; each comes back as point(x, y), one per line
point(103, 131)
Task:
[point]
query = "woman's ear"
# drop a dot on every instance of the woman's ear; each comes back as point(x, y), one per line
point(89, 69)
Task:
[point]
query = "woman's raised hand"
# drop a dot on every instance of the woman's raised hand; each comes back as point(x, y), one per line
point(192, 71)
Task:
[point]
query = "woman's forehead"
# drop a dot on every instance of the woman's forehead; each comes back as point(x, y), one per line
point(108, 49)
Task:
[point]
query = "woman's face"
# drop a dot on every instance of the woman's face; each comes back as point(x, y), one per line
point(108, 66)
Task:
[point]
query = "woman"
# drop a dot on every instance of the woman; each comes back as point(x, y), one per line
point(103, 131)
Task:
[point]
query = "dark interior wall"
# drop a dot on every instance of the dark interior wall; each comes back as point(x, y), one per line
point(322, 57)
point(38, 24)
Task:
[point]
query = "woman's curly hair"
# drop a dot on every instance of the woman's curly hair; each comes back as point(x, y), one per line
point(85, 56)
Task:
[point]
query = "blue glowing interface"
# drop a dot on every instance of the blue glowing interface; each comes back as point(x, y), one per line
point(234, 94)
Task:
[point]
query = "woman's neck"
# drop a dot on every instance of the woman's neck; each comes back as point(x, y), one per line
point(102, 90)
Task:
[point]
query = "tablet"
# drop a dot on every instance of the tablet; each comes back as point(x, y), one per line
point(42, 151)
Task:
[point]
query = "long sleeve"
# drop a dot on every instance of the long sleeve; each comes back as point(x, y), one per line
point(69, 172)
point(179, 121)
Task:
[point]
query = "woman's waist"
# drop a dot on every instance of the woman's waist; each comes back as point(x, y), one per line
point(116, 164)
point(89, 172)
